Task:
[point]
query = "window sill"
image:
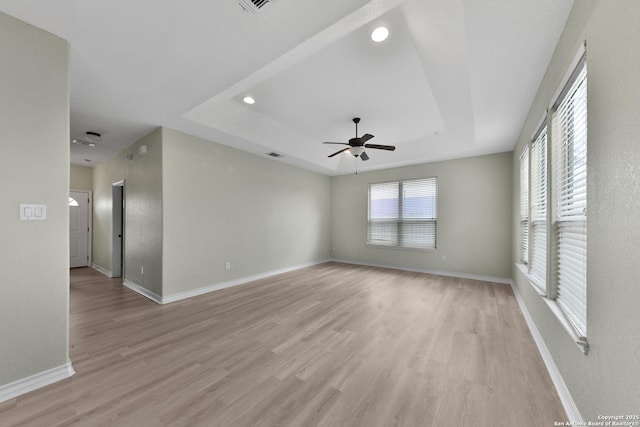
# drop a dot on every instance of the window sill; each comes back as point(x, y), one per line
point(582, 344)
point(401, 248)
point(525, 272)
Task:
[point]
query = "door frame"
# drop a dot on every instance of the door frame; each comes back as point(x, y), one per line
point(117, 221)
point(89, 194)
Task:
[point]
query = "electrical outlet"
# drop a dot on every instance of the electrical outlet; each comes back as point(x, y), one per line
point(227, 265)
point(142, 270)
point(444, 257)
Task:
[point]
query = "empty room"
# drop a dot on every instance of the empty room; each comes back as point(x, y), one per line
point(296, 213)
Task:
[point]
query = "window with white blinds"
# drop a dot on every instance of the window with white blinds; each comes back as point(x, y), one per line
point(569, 153)
point(403, 213)
point(538, 220)
point(524, 205)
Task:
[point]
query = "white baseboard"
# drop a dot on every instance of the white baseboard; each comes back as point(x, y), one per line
point(143, 291)
point(494, 279)
point(573, 414)
point(223, 285)
point(34, 382)
point(102, 270)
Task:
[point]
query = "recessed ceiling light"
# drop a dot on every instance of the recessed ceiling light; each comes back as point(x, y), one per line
point(379, 34)
point(249, 100)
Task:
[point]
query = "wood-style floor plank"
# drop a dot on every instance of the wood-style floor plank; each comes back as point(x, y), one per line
point(330, 345)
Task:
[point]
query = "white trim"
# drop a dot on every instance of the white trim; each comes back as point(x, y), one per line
point(89, 224)
point(102, 270)
point(566, 324)
point(556, 310)
point(524, 269)
point(503, 280)
point(118, 251)
point(223, 285)
point(143, 291)
point(34, 382)
point(561, 387)
point(541, 124)
point(567, 77)
point(403, 248)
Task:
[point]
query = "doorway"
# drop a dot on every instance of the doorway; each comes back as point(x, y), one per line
point(118, 217)
point(79, 228)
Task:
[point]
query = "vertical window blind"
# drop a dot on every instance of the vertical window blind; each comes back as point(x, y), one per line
point(569, 150)
point(403, 213)
point(524, 205)
point(538, 264)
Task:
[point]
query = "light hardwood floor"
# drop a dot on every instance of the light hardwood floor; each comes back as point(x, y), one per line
point(330, 345)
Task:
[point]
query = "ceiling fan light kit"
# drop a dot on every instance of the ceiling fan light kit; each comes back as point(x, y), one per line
point(93, 136)
point(356, 145)
point(90, 139)
point(356, 151)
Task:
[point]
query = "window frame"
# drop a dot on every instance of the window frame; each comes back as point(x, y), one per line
point(553, 194)
point(399, 221)
point(524, 205)
point(578, 321)
point(539, 275)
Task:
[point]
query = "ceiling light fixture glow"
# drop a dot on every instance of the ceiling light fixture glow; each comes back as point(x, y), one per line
point(380, 34)
point(249, 100)
point(356, 151)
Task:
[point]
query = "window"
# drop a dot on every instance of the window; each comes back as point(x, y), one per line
point(569, 145)
point(403, 214)
point(538, 264)
point(555, 243)
point(524, 205)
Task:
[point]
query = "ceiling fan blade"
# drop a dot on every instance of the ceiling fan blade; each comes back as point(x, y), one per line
point(364, 156)
point(338, 152)
point(337, 143)
point(381, 147)
point(364, 138)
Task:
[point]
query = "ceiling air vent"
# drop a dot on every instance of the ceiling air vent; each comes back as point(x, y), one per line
point(274, 154)
point(252, 6)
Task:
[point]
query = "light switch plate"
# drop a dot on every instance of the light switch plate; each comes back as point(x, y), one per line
point(31, 212)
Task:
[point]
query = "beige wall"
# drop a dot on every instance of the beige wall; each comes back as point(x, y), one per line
point(474, 212)
point(81, 178)
point(222, 204)
point(606, 381)
point(34, 138)
point(143, 212)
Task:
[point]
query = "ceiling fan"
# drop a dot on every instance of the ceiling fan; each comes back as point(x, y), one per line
point(357, 145)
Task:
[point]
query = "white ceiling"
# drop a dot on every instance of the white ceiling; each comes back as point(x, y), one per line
point(454, 79)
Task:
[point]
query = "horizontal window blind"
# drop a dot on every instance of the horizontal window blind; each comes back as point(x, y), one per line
point(383, 214)
point(569, 147)
point(524, 205)
point(538, 220)
point(403, 213)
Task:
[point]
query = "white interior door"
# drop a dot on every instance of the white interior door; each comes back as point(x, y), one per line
point(78, 229)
